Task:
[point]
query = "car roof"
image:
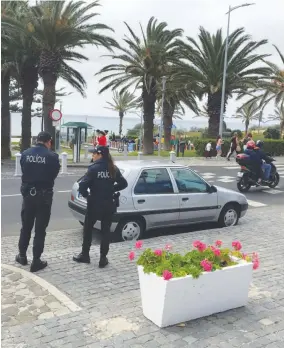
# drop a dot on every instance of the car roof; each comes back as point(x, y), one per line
point(136, 164)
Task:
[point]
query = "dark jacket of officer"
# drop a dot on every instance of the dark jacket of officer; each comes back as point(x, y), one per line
point(40, 167)
point(102, 186)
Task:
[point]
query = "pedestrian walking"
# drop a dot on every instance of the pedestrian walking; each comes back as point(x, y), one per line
point(219, 143)
point(182, 147)
point(40, 167)
point(104, 180)
point(208, 149)
point(234, 146)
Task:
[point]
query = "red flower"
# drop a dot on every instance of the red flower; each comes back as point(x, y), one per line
point(167, 275)
point(237, 245)
point(216, 252)
point(218, 243)
point(139, 244)
point(206, 265)
point(131, 255)
point(255, 264)
point(158, 252)
point(199, 245)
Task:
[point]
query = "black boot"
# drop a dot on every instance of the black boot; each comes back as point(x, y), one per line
point(38, 265)
point(22, 259)
point(103, 262)
point(82, 258)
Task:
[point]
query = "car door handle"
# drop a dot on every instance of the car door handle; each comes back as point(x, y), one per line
point(140, 201)
point(185, 199)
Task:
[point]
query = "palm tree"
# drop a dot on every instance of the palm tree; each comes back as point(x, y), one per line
point(142, 65)
point(57, 28)
point(279, 116)
point(122, 102)
point(249, 112)
point(204, 63)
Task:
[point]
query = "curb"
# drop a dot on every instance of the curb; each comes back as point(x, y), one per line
point(47, 286)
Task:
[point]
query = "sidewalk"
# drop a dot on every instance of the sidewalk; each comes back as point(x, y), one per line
point(111, 314)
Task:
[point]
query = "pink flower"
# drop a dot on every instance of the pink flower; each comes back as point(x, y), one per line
point(218, 243)
point(255, 264)
point(131, 255)
point(158, 252)
point(167, 275)
point(139, 244)
point(168, 247)
point(206, 265)
point(217, 252)
point(254, 256)
point(199, 245)
point(237, 245)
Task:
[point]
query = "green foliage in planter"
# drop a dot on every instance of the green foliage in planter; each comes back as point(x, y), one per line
point(158, 261)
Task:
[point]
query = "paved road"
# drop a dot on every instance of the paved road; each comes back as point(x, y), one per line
point(62, 219)
point(111, 314)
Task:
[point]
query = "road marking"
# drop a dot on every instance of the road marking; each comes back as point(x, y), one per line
point(273, 191)
point(256, 204)
point(18, 194)
point(231, 167)
point(226, 180)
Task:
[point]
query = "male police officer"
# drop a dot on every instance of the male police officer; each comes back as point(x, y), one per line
point(40, 167)
point(103, 179)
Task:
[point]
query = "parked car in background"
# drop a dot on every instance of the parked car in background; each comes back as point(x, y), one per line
point(162, 195)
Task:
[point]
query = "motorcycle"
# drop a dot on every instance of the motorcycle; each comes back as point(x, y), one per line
point(247, 177)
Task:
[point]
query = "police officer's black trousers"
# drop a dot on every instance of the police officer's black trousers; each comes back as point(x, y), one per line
point(35, 211)
point(94, 214)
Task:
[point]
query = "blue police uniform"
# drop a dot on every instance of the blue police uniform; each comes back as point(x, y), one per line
point(40, 167)
point(100, 203)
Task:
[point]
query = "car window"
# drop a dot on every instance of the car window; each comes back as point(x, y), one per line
point(154, 181)
point(188, 182)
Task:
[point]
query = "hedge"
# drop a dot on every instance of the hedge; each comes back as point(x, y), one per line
point(274, 147)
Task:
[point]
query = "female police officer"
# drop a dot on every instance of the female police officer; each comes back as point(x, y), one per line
point(103, 179)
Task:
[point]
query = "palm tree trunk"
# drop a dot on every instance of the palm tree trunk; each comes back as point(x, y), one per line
point(214, 108)
point(121, 114)
point(246, 126)
point(48, 102)
point(149, 100)
point(5, 117)
point(29, 82)
point(168, 122)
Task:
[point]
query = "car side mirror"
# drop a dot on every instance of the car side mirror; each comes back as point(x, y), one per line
point(212, 189)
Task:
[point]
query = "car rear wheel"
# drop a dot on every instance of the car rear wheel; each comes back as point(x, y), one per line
point(130, 229)
point(229, 216)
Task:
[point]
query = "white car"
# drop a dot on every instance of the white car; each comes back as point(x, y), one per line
point(165, 194)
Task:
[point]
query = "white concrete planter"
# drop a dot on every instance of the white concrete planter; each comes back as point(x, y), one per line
point(178, 300)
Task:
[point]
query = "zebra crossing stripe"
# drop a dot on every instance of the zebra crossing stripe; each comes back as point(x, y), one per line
point(236, 167)
point(256, 204)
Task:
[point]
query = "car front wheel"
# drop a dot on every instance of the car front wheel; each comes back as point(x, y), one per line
point(130, 229)
point(229, 216)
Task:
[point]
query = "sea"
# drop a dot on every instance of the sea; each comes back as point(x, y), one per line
point(112, 123)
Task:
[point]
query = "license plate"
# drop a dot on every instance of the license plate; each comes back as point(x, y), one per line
point(240, 175)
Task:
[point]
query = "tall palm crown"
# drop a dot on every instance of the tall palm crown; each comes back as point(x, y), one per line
point(204, 63)
point(142, 65)
point(122, 102)
point(58, 28)
point(273, 88)
point(249, 112)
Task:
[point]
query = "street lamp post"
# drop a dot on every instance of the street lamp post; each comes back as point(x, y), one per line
point(225, 65)
point(141, 130)
point(162, 114)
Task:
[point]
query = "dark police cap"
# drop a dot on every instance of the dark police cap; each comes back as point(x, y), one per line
point(101, 150)
point(44, 137)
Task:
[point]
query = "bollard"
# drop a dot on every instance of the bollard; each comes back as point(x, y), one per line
point(86, 151)
point(18, 169)
point(172, 156)
point(64, 163)
point(125, 150)
point(140, 155)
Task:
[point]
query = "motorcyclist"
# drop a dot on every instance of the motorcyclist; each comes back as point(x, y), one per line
point(255, 158)
point(266, 167)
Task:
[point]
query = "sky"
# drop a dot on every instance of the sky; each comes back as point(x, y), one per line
point(264, 20)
